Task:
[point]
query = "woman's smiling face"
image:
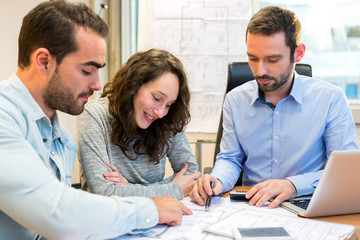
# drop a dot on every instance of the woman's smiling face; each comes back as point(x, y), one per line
point(154, 98)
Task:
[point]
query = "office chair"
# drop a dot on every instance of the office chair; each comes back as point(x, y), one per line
point(240, 73)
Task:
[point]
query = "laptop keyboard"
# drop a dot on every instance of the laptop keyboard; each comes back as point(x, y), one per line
point(302, 203)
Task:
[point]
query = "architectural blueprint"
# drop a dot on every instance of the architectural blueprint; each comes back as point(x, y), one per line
point(205, 35)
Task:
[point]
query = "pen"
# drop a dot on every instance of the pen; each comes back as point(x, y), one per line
point(208, 200)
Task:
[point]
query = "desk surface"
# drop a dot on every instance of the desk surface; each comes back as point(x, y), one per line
point(351, 219)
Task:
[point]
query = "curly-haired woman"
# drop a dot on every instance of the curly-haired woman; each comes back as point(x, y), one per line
point(126, 135)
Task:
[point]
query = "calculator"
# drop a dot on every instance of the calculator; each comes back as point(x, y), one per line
point(238, 195)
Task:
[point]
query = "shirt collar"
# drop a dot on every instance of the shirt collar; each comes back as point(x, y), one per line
point(296, 91)
point(26, 102)
point(32, 109)
point(58, 132)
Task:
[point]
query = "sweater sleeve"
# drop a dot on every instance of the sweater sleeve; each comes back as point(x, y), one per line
point(180, 153)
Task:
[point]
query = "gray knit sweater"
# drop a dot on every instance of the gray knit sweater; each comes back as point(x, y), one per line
point(145, 178)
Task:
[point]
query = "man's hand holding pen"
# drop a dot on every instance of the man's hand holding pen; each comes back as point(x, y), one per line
point(203, 189)
point(208, 200)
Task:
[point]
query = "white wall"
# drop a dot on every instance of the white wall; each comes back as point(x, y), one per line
point(11, 15)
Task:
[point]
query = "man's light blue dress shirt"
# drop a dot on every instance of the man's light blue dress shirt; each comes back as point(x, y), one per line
point(292, 140)
point(36, 161)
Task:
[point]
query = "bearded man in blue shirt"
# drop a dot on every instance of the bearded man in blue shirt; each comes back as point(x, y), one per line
point(61, 49)
point(279, 129)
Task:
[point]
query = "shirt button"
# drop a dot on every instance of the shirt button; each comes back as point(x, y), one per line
point(147, 220)
point(277, 112)
point(53, 153)
point(275, 160)
point(44, 140)
point(276, 137)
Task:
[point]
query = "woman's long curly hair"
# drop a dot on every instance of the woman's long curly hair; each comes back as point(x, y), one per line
point(141, 68)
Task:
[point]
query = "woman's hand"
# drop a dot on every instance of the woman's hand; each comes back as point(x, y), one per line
point(115, 176)
point(186, 182)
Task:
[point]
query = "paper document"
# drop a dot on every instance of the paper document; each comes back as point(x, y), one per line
point(224, 213)
point(301, 228)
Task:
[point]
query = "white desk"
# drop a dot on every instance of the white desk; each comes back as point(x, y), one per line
point(351, 219)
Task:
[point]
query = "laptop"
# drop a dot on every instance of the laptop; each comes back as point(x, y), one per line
point(338, 190)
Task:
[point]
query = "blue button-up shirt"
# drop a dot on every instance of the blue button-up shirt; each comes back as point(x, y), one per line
point(291, 140)
point(36, 161)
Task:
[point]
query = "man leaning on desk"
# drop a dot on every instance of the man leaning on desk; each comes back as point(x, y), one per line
point(61, 48)
point(280, 128)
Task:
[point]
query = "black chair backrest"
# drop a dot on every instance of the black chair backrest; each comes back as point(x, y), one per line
point(240, 73)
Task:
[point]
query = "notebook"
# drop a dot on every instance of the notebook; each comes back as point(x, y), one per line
point(338, 190)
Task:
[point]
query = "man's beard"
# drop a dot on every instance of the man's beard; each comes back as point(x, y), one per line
point(58, 96)
point(283, 78)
